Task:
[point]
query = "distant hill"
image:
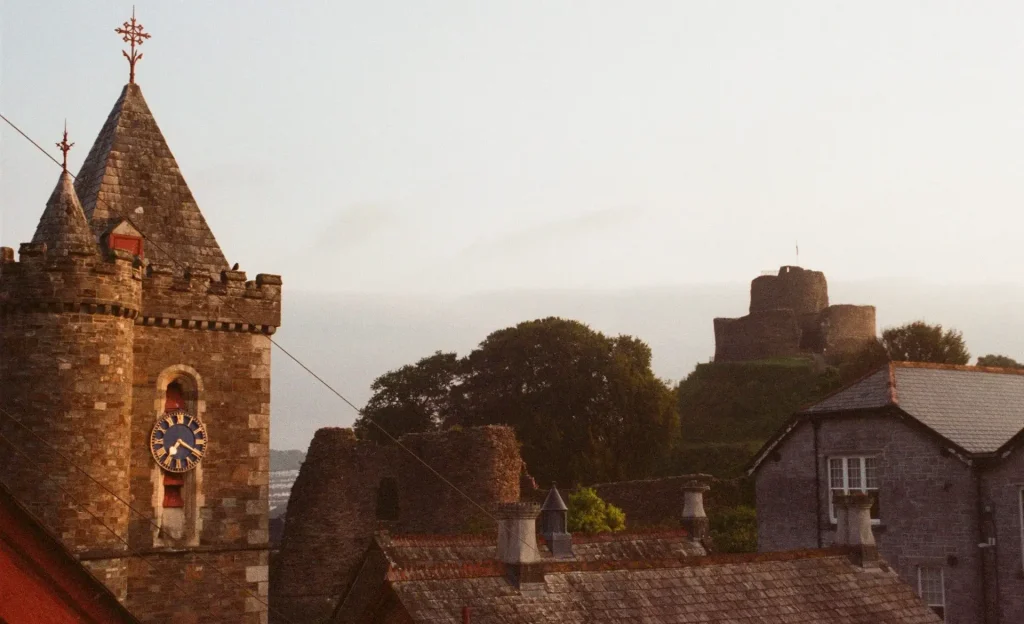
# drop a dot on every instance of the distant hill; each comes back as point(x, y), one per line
point(286, 460)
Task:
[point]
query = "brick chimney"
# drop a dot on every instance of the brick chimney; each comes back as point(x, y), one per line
point(694, 520)
point(517, 545)
point(853, 527)
point(554, 518)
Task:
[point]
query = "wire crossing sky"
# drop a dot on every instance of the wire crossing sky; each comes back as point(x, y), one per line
point(465, 146)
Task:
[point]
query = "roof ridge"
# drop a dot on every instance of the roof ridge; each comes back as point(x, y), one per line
point(964, 368)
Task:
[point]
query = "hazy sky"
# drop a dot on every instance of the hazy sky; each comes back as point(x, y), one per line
point(465, 146)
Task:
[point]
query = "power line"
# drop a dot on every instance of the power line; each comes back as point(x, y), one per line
point(121, 500)
point(295, 359)
point(135, 553)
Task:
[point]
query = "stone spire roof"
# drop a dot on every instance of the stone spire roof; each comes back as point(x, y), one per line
point(130, 172)
point(63, 223)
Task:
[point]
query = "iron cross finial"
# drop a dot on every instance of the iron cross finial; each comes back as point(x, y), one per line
point(64, 146)
point(133, 35)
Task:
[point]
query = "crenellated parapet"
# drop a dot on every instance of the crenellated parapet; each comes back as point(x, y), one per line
point(76, 279)
point(197, 299)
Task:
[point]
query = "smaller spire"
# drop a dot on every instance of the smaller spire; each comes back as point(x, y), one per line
point(133, 35)
point(554, 521)
point(63, 224)
point(64, 146)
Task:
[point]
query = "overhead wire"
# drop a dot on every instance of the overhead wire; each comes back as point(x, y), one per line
point(295, 359)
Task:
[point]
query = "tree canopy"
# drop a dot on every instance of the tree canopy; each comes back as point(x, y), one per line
point(589, 513)
point(586, 407)
point(999, 361)
point(920, 342)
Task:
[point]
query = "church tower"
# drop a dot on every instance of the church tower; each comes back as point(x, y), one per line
point(136, 371)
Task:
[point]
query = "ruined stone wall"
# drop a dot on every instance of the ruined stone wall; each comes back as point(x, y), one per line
point(847, 328)
point(66, 340)
point(757, 336)
point(332, 512)
point(794, 288)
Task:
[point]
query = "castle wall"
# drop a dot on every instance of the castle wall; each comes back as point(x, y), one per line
point(794, 288)
point(66, 338)
point(332, 512)
point(847, 328)
point(757, 336)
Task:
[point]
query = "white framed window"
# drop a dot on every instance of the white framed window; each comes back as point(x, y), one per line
point(853, 474)
point(931, 589)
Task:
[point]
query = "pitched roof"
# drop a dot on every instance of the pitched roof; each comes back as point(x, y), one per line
point(129, 167)
point(63, 222)
point(809, 586)
point(978, 409)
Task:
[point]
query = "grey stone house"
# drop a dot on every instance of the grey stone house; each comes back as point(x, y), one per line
point(938, 450)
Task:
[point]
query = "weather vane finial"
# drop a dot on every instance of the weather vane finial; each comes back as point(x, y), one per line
point(132, 34)
point(64, 146)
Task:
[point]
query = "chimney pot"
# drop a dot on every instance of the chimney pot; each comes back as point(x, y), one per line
point(859, 535)
point(554, 518)
point(517, 532)
point(694, 520)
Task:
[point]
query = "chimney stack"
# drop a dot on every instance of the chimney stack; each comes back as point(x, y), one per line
point(853, 527)
point(554, 518)
point(694, 520)
point(517, 545)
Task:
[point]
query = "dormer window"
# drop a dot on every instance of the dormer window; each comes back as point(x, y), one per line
point(125, 236)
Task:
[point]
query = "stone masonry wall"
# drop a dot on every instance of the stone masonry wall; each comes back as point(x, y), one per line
point(794, 288)
point(757, 336)
point(847, 328)
point(332, 512)
point(926, 501)
point(1002, 489)
point(66, 335)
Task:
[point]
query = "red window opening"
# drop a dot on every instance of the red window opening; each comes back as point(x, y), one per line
point(131, 244)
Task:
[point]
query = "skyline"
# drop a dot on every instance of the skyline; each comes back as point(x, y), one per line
point(700, 148)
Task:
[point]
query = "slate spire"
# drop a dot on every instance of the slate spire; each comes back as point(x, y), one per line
point(130, 173)
point(63, 224)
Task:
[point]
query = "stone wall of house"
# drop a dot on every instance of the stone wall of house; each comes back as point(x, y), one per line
point(790, 315)
point(927, 501)
point(1003, 492)
point(336, 505)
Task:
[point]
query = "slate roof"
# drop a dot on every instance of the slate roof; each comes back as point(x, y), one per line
point(978, 409)
point(63, 224)
point(793, 587)
point(129, 167)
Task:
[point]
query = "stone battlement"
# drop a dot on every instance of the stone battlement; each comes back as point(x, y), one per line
point(790, 315)
point(198, 299)
point(75, 279)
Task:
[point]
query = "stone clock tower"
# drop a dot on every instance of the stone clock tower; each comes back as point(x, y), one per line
point(132, 355)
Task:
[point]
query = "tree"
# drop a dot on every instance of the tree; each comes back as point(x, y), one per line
point(412, 399)
point(734, 529)
point(999, 361)
point(586, 407)
point(588, 513)
point(921, 342)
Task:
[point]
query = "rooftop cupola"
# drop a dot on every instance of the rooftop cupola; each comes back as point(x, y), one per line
point(63, 224)
point(554, 518)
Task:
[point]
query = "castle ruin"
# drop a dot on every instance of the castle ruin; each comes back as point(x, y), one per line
point(790, 316)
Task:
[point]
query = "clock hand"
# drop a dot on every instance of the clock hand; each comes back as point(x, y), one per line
point(195, 451)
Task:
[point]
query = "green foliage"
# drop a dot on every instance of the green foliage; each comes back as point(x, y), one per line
point(999, 361)
point(921, 342)
point(734, 529)
point(412, 399)
point(589, 514)
point(586, 407)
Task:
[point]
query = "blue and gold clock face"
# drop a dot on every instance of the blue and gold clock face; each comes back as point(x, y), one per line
point(178, 441)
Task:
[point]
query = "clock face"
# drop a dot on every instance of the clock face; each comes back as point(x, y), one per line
point(178, 441)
